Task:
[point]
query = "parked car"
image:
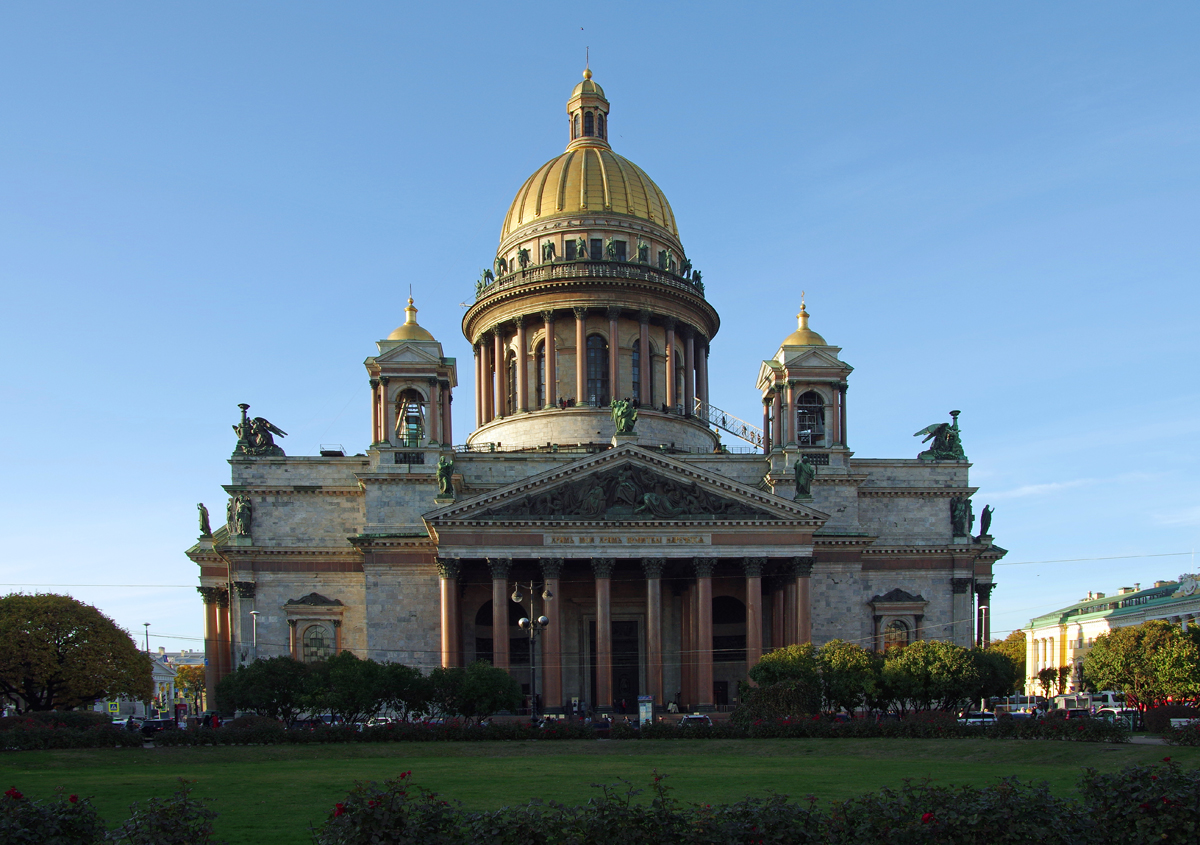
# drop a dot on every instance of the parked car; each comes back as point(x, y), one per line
point(150, 727)
point(1118, 714)
point(603, 728)
point(978, 719)
point(695, 720)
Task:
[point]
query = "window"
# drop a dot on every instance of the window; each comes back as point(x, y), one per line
point(589, 124)
point(512, 384)
point(575, 127)
point(597, 370)
point(619, 251)
point(317, 644)
point(569, 250)
point(600, 124)
point(810, 419)
point(596, 249)
point(410, 418)
point(539, 357)
point(895, 635)
point(636, 368)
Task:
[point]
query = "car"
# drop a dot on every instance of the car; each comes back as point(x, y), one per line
point(978, 719)
point(150, 727)
point(695, 720)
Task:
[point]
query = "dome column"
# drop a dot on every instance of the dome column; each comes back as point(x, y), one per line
point(614, 356)
point(551, 354)
point(447, 420)
point(689, 372)
point(434, 435)
point(522, 366)
point(766, 426)
point(646, 362)
point(580, 354)
point(488, 388)
point(671, 352)
point(777, 411)
point(702, 371)
point(501, 371)
point(478, 385)
point(385, 436)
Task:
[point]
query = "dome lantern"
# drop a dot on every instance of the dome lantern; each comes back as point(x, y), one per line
point(803, 335)
point(587, 112)
point(410, 330)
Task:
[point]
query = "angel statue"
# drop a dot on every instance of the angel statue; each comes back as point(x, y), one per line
point(523, 257)
point(805, 473)
point(947, 444)
point(624, 415)
point(445, 473)
point(255, 436)
point(501, 265)
point(581, 249)
point(548, 252)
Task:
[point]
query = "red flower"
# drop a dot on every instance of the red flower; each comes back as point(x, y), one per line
point(372, 803)
point(13, 794)
point(73, 798)
point(926, 818)
point(1153, 777)
point(1144, 806)
point(1166, 759)
point(1166, 800)
point(338, 809)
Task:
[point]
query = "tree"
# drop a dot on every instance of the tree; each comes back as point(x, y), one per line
point(275, 688)
point(1013, 647)
point(999, 674)
point(1151, 663)
point(931, 675)
point(349, 688)
point(405, 690)
point(474, 693)
point(1046, 680)
point(189, 680)
point(56, 652)
point(848, 676)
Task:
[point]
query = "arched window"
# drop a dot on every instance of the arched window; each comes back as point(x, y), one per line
point(316, 644)
point(575, 127)
point(600, 124)
point(410, 418)
point(589, 124)
point(539, 358)
point(810, 419)
point(512, 384)
point(597, 370)
point(636, 369)
point(895, 635)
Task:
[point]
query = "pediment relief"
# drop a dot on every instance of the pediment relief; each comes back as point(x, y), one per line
point(638, 486)
point(409, 352)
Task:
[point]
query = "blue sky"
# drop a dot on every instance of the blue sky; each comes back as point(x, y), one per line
point(992, 207)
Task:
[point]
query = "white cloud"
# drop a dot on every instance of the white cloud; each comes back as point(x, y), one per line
point(1027, 490)
point(1183, 516)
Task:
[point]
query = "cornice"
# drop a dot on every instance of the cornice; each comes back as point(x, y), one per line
point(292, 489)
point(918, 492)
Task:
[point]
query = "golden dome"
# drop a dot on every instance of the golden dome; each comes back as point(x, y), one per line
point(410, 330)
point(589, 178)
point(803, 336)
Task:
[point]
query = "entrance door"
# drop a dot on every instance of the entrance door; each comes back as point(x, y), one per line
point(720, 693)
point(625, 654)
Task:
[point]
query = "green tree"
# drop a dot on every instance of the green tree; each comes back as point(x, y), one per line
point(476, 692)
point(56, 652)
point(999, 674)
point(931, 675)
point(1151, 663)
point(276, 688)
point(349, 688)
point(1013, 647)
point(189, 680)
point(406, 692)
point(1046, 679)
point(848, 676)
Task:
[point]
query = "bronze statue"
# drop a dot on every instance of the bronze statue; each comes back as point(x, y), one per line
point(610, 249)
point(624, 415)
point(523, 257)
point(254, 436)
point(548, 252)
point(659, 506)
point(445, 471)
point(961, 518)
point(581, 249)
point(985, 520)
point(205, 528)
point(501, 265)
point(685, 267)
point(243, 513)
point(643, 252)
point(697, 282)
point(805, 473)
point(947, 443)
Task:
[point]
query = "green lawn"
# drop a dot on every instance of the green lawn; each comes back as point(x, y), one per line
point(271, 794)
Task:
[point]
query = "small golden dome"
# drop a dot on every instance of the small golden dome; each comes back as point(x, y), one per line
point(410, 330)
point(803, 336)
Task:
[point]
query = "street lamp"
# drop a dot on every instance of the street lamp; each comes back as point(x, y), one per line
point(147, 626)
point(533, 626)
point(254, 631)
point(146, 704)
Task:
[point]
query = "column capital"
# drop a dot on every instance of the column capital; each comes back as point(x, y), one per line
point(984, 591)
point(704, 567)
point(802, 566)
point(644, 316)
point(448, 568)
point(374, 383)
point(519, 321)
point(653, 567)
point(960, 585)
point(245, 589)
point(552, 567)
point(548, 315)
point(222, 596)
point(754, 566)
point(500, 567)
point(669, 323)
point(208, 594)
point(613, 312)
point(384, 380)
point(292, 623)
point(580, 312)
point(603, 566)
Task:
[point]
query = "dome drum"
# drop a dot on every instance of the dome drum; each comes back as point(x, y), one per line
point(580, 427)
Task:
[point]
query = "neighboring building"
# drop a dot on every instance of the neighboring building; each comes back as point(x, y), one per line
point(673, 561)
point(1064, 637)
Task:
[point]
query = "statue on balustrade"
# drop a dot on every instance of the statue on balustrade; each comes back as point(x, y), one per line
point(445, 472)
point(548, 252)
point(255, 436)
point(947, 442)
point(624, 415)
point(805, 473)
point(523, 257)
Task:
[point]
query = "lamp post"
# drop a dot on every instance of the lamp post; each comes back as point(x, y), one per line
point(533, 626)
point(146, 704)
point(254, 631)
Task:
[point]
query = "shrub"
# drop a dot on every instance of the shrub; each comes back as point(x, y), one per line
point(78, 719)
point(178, 820)
point(403, 812)
point(254, 722)
point(23, 734)
point(1187, 735)
point(1157, 803)
point(67, 820)
point(1158, 719)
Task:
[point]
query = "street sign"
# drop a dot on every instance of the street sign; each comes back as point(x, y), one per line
point(114, 707)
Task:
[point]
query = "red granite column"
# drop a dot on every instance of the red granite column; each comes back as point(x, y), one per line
point(374, 410)
point(803, 572)
point(500, 567)
point(224, 652)
point(614, 355)
point(845, 439)
point(522, 366)
point(448, 570)
point(489, 409)
point(551, 353)
point(478, 385)
point(790, 423)
point(653, 568)
point(754, 615)
point(435, 412)
point(777, 440)
point(777, 617)
point(552, 685)
point(603, 568)
point(766, 426)
point(386, 416)
point(689, 373)
point(670, 358)
point(704, 633)
point(647, 360)
point(447, 418)
point(702, 370)
point(580, 355)
point(790, 618)
point(687, 646)
point(209, 595)
point(499, 363)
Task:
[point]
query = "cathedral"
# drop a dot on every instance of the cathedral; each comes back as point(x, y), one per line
point(598, 535)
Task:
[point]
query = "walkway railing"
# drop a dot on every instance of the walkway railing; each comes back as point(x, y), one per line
point(728, 422)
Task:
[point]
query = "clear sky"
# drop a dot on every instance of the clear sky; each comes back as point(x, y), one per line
point(992, 207)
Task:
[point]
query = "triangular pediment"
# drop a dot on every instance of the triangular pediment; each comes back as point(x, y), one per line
point(812, 356)
point(411, 352)
point(628, 484)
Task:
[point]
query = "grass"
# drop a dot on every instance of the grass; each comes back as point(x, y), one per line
point(271, 794)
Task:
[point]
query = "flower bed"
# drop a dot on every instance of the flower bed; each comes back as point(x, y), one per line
point(25, 733)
